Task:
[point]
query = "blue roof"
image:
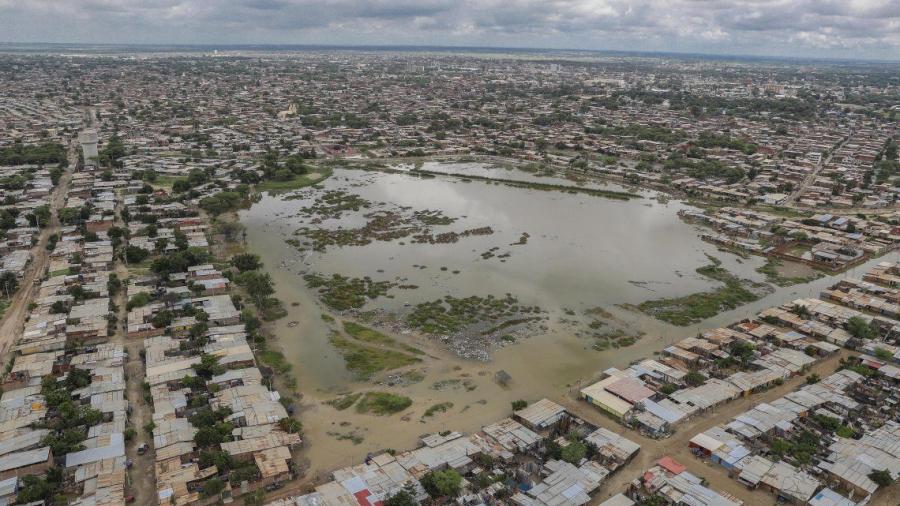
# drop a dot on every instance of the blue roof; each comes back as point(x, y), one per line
point(828, 497)
point(736, 454)
point(663, 412)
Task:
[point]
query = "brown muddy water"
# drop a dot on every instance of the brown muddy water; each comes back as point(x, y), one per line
point(583, 252)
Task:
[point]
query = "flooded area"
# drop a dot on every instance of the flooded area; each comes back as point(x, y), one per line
point(582, 252)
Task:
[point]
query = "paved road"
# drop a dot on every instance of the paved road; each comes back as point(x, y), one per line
point(12, 325)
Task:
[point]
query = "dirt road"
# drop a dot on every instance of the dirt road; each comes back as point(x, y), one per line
point(13, 322)
point(141, 478)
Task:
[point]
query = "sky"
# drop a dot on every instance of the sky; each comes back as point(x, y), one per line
point(858, 29)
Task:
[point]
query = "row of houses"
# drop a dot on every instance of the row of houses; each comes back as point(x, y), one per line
point(511, 459)
point(66, 413)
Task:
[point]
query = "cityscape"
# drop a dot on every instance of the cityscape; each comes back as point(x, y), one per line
point(390, 274)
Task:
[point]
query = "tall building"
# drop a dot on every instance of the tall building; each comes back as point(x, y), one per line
point(88, 140)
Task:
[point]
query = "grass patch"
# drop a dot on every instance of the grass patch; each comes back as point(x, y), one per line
point(437, 408)
point(372, 336)
point(343, 402)
point(60, 272)
point(450, 314)
point(4, 305)
point(349, 436)
point(342, 293)
point(365, 361)
point(275, 360)
point(770, 269)
point(168, 181)
point(383, 403)
point(366, 334)
point(299, 181)
point(683, 311)
point(786, 212)
point(272, 310)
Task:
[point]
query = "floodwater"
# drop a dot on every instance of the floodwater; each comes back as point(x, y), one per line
point(583, 252)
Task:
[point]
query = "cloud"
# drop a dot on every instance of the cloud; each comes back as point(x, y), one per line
point(845, 28)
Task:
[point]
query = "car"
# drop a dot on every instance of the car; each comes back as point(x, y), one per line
point(142, 449)
point(129, 499)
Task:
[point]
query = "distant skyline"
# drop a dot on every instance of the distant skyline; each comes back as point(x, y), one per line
point(863, 29)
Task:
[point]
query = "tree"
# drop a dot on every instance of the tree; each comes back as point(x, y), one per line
point(404, 497)
point(668, 388)
point(208, 366)
point(112, 152)
point(519, 405)
point(230, 230)
point(258, 285)
point(295, 165)
point(881, 477)
point(801, 311)
point(69, 215)
point(135, 255)
point(8, 283)
point(574, 452)
point(66, 442)
point(860, 329)
point(163, 319)
point(114, 284)
point(212, 487)
point(35, 489)
point(246, 262)
point(181, 186)
point(694, 378)
point(442, 483)
point(208, 436)
point(742, 351)
point(221, 202)
point(78, 378)
point(884, 354)
point(257, 498)
point(40, 216)
point(290, 425)
point(812, 379)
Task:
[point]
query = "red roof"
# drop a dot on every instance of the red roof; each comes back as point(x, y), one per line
point(630, 390)
point(671, 465)
point(362, 497)
point(872, 364)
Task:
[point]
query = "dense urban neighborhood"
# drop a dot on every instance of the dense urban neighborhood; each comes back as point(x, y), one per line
point(165, 345)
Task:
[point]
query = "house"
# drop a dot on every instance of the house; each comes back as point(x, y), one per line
point(542, 416)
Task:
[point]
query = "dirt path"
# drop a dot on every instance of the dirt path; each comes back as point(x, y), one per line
point(13, 322)
point(141, 478)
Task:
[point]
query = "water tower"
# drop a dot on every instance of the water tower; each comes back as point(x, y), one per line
point(88, 140)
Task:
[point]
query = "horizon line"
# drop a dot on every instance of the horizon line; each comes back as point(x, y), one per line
point(424, 47)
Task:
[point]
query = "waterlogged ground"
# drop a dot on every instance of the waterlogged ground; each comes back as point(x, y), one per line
point(582, 258)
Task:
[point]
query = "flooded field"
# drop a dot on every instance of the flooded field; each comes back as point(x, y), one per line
point(581, 256)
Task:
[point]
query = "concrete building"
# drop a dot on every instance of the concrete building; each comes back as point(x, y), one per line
point(88, 140)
